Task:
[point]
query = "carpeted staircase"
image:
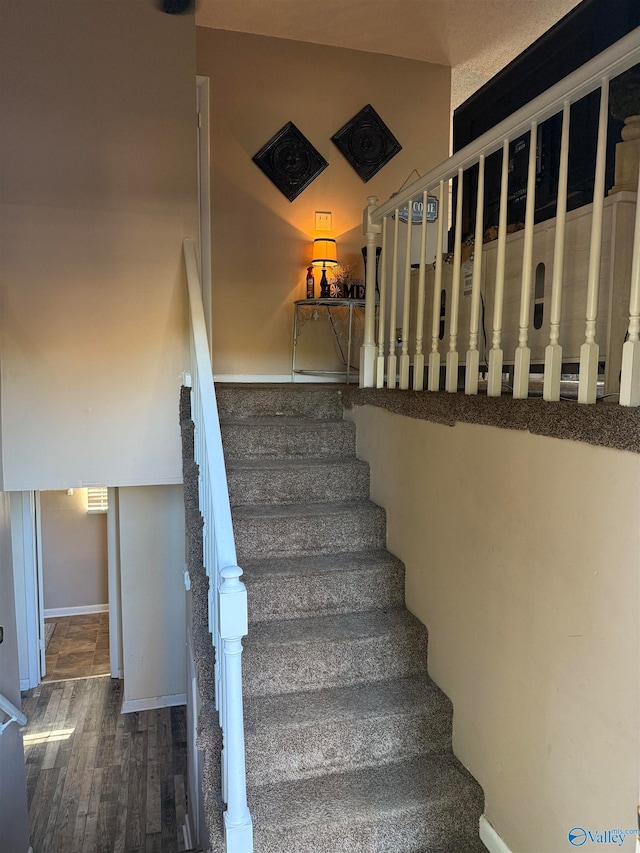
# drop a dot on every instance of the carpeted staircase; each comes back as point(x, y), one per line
point(348, 741)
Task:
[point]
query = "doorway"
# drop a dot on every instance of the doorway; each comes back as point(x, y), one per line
point(66, 569)
point(73, 535)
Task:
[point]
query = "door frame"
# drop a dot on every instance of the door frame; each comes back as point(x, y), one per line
point(30, 606)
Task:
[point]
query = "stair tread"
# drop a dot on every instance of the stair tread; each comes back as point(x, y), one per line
point(305, 564)
point(334, 627)
point(282, 420)
point(311, 509)
point(423, 783)
point(274, 463)
point(397, 696)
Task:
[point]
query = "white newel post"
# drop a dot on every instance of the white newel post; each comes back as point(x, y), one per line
point(630, 379)
point(368, 349)
point(233, 626)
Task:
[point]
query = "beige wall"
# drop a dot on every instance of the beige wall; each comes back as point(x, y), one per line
point(14, 826)
point(152, 563)
point(261, 242)
point(522, 556)
point(74, 551)
point(98, 191)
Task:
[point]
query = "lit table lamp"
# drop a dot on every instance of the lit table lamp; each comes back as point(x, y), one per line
point(324, 255)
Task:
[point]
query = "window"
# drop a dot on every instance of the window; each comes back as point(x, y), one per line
point(97, 499)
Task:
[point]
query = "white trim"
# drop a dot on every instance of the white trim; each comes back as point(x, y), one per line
point(490, 837)
point(204, 195)
point(53, 612)
point(276, 377)
point(113, 585)
point(186, 833)
point(131, 705)
point(36, 514)
point(25, 581)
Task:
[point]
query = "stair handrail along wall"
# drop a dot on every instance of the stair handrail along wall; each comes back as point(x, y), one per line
point(382, 366)
point(228, 618)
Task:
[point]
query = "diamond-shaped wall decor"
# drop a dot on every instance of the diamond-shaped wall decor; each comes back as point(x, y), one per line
point(367, 142)
point(290, 161)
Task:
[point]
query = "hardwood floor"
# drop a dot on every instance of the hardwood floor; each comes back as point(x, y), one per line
point(99, 781)
point(79, 647)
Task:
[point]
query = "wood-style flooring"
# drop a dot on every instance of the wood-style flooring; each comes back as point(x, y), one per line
point(99, 781)
point(79, 647)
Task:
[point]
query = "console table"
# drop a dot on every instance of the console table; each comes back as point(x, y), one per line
point(345, 321)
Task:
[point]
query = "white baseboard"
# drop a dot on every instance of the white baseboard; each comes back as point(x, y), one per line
point(490, 837)
point(153, 702)
point(252, 377)
point(25, 684)
point(275, 377)
point(82, 610)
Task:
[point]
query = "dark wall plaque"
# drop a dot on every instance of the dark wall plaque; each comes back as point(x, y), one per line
point(290, 161)
point(367, 142)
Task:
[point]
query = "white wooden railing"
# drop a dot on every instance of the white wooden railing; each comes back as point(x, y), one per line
point(387, 354)
point(13, 713)
point(228, 621)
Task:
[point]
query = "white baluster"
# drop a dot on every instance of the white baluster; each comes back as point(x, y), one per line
point(233, 626)
point(473, 354)
point(630, 378)
point(451, 381)
point(590, 351)
point(553, 352)
point(523, 353)
point(418, 359)
point(434, 355)
point(368, 348)
point(382, 307)
point(406, 305)
point(391, 361)
point(496, 355)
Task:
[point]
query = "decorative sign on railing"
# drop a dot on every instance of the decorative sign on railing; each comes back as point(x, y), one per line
point(416, 211)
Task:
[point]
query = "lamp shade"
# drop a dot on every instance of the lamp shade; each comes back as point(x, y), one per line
point(324, 252)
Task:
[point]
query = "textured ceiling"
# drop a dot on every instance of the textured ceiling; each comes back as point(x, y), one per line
point(475, 37)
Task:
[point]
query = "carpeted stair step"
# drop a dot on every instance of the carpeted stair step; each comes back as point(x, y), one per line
point(287, 438)
point(286, 530)
point(285, 656)
point(321, 584)
point(288, 481)
point(302, 735)
point(428, 804)
point(278, 401)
